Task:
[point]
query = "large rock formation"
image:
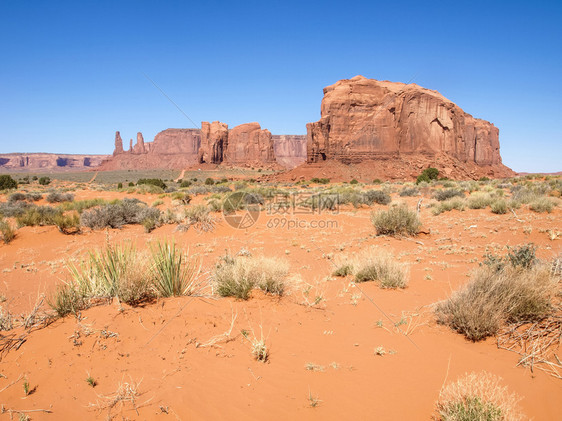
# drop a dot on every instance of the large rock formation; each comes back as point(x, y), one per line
point(49, 161)
point(289, 150)
point(171, 148)
point(364, 119)
point(248, 144)
point(214, 142)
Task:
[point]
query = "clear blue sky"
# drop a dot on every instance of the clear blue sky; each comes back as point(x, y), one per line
point(71, 73)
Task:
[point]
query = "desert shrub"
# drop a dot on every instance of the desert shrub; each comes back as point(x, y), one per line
point(499, 207)
point(153, 182)
point(479, 200)
point(522, 256)
point(354, 181)
point(197, 190)
point(149, 189)
point(445, 194)
point(526, 195)
point(57, 197)
point(185, 183)
point(7, 182)
point(409, 191)
point(449, 205)
point(38, 215)
point(81, 205)
point(383, 268)
point(131, 184)
point(320, 180)
point(14, 209)
point(541, 205)
point(116, 271)
point(344, 269)
point(209, 181)
point(377, 181)
point(237, 276)
point(67, 224)
point(427, 175)
point(7, 233)
point(115, 215)
point(221, 189)
point(200, 215)
point(493, 297)
point(149, 218)
point(16, 197)
point(376, 196)
point(6, 320)
point(45, 181)
point(398, 220)
point(119, 185)
point(477, 397)
point(67, 300)
point(173, 271)
point(33, 196)
point(183, 197)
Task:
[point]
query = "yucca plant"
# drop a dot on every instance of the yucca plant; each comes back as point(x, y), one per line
point(173, 272)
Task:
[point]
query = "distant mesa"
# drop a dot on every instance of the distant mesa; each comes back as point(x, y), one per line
point(387, 129)
point(246, 145)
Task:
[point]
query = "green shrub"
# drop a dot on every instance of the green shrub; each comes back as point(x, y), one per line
point(119, 185)
point(354, 181)
point(174, 273)
point(153, 182)
point(427, 175)
point(67, 300)
point(38, 215)
point(398, 220)
point(7, 182)
point(45, 181)
point(343, 270)
point(183, 197)
point(115, 215)
point(185, 183)
point(7, 233)
point(209, 181)
point(17, 197)
point(377, 181)
point(320, 180)
point(131, 184)
point(12, 209)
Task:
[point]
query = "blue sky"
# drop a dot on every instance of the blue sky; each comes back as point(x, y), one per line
point(72, 73)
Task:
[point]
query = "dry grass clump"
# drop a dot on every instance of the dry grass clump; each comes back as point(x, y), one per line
point(479, 200)
point(7, 233)
point(478, 397)
point(237, 276)
point(543, 204)
point(499, 294)
point(119, 271)
point(499, 207)
point(449, 205)
point(398, 220)
point(200, 217)
point(374, 265)
point(446, 194)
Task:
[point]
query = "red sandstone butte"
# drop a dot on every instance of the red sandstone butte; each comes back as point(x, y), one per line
point(363, 119)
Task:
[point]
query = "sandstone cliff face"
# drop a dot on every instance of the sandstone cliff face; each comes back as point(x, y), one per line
point(367, 119)
point(118, 144)
point(214, 142)
point(289, 150)
point(49, 161)
point(249, 144)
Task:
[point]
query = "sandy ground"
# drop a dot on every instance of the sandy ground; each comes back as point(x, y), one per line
point(164, 349)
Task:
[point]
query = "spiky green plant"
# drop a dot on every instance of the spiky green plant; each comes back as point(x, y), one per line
point(174, 273)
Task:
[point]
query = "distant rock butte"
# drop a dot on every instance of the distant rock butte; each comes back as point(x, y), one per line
point(364, 119)
point(244, 145)
point(49, 161)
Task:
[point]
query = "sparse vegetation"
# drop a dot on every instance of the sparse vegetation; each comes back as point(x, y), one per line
point(477, 397)
point(173, 271)
point(372, 265)
point(237, 276)
point(427, 175)
point(446, 194)
point(152, 181)
point(543, 204)
point(7, 233)
point(44, 181)
point(57, 197)
point(398, 220)
point(496, 296)
point(499, 207)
